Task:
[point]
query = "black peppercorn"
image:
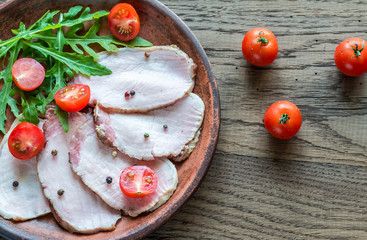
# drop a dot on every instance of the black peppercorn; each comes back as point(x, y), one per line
point(60, 192)
point(109, 180)
point(132, 92)
point(15, 184)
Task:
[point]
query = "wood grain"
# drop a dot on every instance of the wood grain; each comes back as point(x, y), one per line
point(310, 187)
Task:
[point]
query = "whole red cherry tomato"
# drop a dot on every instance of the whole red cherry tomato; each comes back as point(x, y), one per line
point(260, 47)
point(351, 57)
point(283, 119)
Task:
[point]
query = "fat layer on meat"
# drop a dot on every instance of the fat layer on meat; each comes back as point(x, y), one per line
point(94, 162)
point(77, 209)
point(26, 201)
point(158, 75)
point(158, 133)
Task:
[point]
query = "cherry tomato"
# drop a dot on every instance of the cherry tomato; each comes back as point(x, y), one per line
point(25, 141)
point(260, 47)
point(351, 57)
point(73, 98)
point(28, 74)
point(124, 22)
point(138, 181)
point(283, 119)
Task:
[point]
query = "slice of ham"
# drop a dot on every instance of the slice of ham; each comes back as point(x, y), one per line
point(159, 75)
point(94, 162)
point(170, 129)
point(26, 201)
point(78, 209)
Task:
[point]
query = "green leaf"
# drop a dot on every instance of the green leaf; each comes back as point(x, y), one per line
point(136, 42)
point(78, 63)
point(91, 37)
point(44, 41)
point(57, 73)
point(6, 92)
point(85, 16)
point(5, 49)
point(29, 106)
point(63, 118)
point(72, 12)
point(20, 29)
point(45, 23)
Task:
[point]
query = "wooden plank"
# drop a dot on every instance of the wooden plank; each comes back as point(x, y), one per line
point(253, 198)
point(332, 104)
point(310, 187)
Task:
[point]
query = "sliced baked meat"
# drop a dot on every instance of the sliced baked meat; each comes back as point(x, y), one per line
point(142, 79)
point(74, 205)
point(159, 133)
point(94, 162)
point(21, 196)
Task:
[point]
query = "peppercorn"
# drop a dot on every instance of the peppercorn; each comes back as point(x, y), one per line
point(127, 94)
point(147, 54)
point(165, 126)
point(114, 153)
point(132, 92)
point(109, 180)
point(15, 184)
point(146, 135)
point(60, 192)
point(54, 152)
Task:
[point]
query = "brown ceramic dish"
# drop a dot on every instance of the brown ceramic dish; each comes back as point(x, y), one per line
point(162, 27)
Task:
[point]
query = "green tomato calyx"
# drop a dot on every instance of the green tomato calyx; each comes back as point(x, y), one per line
point(283, 120)
point(357, 52)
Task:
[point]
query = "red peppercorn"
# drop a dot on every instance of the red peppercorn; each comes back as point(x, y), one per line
point(127, 94)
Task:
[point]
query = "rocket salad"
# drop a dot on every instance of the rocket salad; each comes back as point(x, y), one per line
point(44, 41)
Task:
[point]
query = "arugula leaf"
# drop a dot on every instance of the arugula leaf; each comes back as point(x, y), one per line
point(6, 92)
point(78, 63)
point(45, 41)
point(45, 23)
point(60, 82)
point(29, 104)
point(91, 37)
point(63, 118)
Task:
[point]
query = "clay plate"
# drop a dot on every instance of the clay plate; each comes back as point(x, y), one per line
point(162, 27)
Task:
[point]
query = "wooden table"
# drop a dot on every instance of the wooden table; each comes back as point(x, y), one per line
point(313, 186)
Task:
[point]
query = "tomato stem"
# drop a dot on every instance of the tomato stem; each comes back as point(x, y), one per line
point(283, 120)
point(261, 40)
point(357, 52)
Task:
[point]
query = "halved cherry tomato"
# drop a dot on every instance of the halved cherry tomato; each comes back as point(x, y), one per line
point(138, 181)
point(25, 141)
point(73, 98)
point(283, 119)
point(260, 47)
point(28, 74)
point(351, 57)
point(124, 22)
